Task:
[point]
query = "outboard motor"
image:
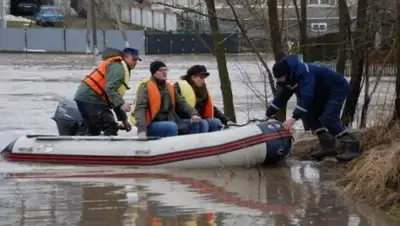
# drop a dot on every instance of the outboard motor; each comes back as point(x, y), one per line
point(68, 118)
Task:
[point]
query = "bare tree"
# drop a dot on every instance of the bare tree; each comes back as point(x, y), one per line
point(344, 34)
point(276, 42)
point(396, 113)
point(226, 89)
point(357, 64)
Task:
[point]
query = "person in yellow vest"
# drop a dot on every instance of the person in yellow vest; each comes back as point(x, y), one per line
point(155, 106)
point(192, 88)
point(103, 89)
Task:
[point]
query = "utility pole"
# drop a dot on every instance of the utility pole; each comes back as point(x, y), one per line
point(3, 13)
point(94, 30)
point(88, 31)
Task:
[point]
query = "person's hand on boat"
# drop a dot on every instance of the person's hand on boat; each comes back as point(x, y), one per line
point(288, 124)
point(126, 107)
point(141, 135)
point(196, 118)
point(127, 125)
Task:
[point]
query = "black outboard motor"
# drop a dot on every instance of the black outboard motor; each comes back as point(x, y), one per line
point(68, 118)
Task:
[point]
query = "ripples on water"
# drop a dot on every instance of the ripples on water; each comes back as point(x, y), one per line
point(39, 194)
point(293, 195)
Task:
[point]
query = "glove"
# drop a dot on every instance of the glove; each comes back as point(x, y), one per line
point(127, 125)
point(142, 135)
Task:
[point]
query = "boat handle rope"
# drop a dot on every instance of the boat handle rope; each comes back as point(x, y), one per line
point(253, 120)
point(277, 130)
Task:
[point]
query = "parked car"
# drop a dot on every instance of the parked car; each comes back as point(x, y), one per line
point(49, 15)
point(27, 7)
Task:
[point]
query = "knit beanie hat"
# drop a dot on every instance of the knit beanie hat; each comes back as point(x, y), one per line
point(155, 66)
point(281, 68)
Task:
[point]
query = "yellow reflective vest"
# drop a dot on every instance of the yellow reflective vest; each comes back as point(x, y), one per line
point(189, 95)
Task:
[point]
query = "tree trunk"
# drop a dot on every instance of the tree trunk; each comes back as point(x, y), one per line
point(275, 32)
point(303, 30)
point(226, 89)
point(367, 97)
point(396, 114)
point(343, 40)
point(357, 64)
point(276, 42)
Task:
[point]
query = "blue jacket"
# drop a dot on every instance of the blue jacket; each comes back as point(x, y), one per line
point(312, 84)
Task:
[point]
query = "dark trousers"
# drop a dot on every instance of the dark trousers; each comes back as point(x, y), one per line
point(325, 115)
point(97, 118)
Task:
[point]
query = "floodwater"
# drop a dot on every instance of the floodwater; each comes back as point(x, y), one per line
point(299, 193)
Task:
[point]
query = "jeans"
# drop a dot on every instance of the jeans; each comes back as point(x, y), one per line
point(170, 128)
point(195, 127)
point(162, 129)
point(214, 124)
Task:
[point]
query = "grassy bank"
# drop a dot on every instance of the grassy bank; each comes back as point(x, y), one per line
point(374, 177)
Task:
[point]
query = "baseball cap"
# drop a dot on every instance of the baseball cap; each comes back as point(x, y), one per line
point(133, 52)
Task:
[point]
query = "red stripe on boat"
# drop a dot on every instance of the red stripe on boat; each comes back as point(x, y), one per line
point(148, 160)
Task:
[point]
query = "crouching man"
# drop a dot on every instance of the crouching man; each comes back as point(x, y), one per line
point(321, 93)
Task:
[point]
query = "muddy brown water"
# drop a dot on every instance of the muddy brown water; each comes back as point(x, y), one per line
point(42, 194)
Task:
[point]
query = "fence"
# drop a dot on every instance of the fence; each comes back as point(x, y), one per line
point(71, 40)
point(374, 69)
point(64, 40)
point(170, 43)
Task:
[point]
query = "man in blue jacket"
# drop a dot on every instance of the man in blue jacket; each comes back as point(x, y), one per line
point(321, 93)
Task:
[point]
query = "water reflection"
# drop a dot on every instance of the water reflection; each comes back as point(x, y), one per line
point(296, 195)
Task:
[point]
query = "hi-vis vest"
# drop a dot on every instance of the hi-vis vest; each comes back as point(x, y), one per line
point(96, 79)
point(189, 95)
point(154, 102)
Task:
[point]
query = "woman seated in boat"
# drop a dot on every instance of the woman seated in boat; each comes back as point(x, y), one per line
point(193, 89)
point(153, 111)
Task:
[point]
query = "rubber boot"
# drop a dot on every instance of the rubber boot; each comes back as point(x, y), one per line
point(327, 146)
point(351, 148)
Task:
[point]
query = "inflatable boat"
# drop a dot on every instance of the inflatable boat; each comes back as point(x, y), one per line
point(264, 142)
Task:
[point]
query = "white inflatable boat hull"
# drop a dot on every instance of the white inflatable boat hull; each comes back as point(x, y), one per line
point(254, 144)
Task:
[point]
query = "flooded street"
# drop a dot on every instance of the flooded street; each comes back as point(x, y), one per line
point(293, 195)
point(41, 194)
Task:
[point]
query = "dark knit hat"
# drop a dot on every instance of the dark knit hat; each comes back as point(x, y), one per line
point(281, 68)
point(156, 65)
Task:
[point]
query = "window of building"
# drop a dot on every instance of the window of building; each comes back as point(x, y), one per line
point(319, 27)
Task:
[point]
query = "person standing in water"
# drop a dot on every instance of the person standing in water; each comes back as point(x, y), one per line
point(321, 93)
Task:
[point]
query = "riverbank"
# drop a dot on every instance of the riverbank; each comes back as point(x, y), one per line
point(374, 177)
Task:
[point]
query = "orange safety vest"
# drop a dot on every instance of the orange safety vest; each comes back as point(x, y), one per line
point(154, 102)
point(96, 79)
point(208, 111)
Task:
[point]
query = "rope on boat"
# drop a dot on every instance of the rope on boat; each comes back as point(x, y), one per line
point(253, 120)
